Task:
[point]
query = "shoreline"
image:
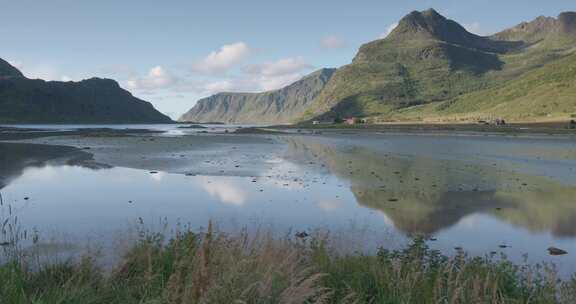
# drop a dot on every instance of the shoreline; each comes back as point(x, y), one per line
point(552, 128)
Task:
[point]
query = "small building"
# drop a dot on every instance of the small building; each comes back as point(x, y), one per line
point(499, 122)
point(492, 122)
point(572, 124)
point(355, 120)
point(351, 121)
point(316, 122)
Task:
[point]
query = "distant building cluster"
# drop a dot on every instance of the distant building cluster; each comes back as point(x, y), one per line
point(493, 122)
point(347, 121)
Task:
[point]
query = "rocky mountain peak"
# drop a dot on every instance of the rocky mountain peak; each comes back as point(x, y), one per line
point(428, 22)
point(430, 25)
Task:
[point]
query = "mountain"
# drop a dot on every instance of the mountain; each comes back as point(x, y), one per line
point(94, 100)
point(431, 60)
point(430, 68)
point(279, 106)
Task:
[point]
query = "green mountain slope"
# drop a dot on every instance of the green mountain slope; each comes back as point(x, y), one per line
point(279, 106)
point(426, 58)
point(429, 59)
point(95, 100)
point(547, 93)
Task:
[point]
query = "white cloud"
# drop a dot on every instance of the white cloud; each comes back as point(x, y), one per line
point(15, 63)
point(258, 77)
point(277, 74)
point(474, 28)
point(157, 78)
point(41, 71)
point(267, 83)
point(219, 86)
point(233, 84)
point(250, 78)
point(224, 59)
point(158, 177)
point(44, 72)
point(332, 42)
point(224, 191)
point(330, 206)
point(389, 30)
point(278, 68)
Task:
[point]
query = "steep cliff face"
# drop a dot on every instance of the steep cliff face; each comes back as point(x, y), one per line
point(94, 100)
point(279, 106)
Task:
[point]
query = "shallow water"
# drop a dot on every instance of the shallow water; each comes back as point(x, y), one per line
point(474, 192)
point(167, 129)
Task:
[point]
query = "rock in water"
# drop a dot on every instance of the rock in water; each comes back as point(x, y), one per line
point(556, 251)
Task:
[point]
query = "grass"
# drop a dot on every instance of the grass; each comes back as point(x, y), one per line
point(547, 93)
point(215, 267)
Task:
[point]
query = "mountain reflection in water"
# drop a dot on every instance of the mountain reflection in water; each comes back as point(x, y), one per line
point(423, 195)
point(315, 181)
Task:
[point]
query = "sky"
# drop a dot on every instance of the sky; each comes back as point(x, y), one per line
point(174, 52)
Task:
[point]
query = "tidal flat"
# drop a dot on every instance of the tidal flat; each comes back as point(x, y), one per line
point(484, 194)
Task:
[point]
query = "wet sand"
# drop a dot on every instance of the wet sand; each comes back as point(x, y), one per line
point(199, 154)
point(254, 150)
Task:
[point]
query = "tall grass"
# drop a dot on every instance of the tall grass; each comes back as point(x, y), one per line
point(217, 267)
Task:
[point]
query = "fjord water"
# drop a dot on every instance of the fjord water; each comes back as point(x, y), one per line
point(511, 195)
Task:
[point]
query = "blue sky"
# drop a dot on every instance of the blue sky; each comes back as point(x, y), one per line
point(173, 52)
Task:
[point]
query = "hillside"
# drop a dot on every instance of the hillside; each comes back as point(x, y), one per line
point(94, 100)
point(547, 93)
point(429, 59)
point(279, 106)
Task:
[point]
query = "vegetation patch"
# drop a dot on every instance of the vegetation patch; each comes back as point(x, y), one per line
point(213, 267)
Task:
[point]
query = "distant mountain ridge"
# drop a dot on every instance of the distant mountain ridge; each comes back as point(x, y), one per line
point(94, 100)
point(430, 68)
point(278, 106)
point(540, 29)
